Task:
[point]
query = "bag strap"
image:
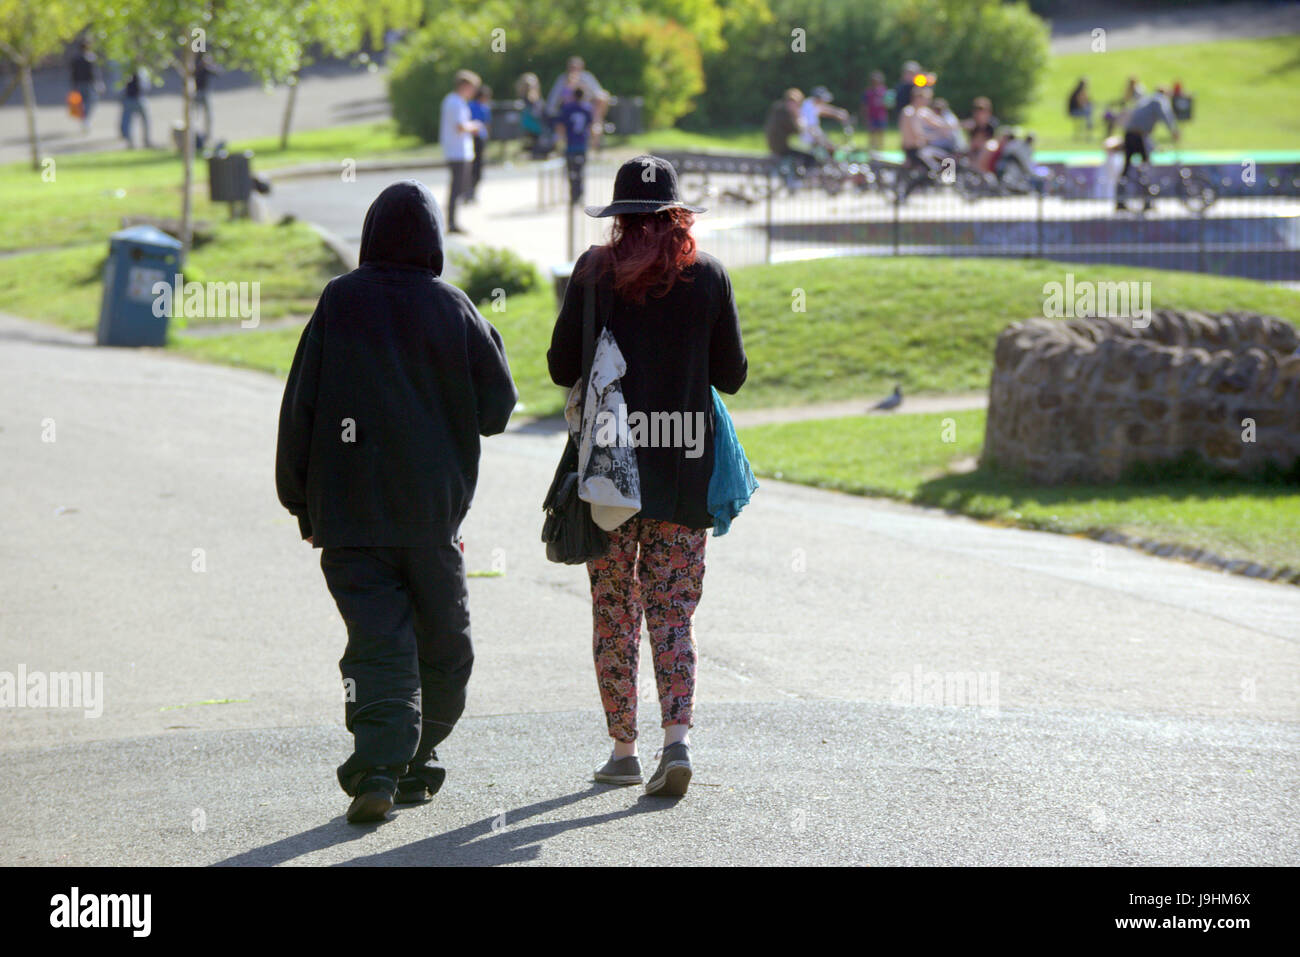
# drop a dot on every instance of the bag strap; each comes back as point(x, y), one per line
point(588, 328)
point(595, 306)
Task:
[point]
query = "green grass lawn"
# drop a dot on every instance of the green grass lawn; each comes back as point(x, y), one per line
point(1247, 98)
point(748, 139)
point(90, 192)
point(1247, 91)
point(64, 286)
point(906, 457)
point(928, 325)
point(525, 325)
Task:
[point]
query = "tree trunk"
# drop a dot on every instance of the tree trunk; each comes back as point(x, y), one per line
point(8, 91)
point(29, 107)
point(187, 150)
point(288, 112)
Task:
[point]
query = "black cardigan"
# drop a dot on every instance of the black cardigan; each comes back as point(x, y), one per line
point(676, 346)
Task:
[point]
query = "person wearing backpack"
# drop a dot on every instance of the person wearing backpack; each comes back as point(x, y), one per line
point(671, 310)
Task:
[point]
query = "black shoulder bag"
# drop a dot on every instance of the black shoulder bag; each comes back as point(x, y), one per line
point(571, 536)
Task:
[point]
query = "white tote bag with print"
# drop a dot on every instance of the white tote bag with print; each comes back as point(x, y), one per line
point(608, 478)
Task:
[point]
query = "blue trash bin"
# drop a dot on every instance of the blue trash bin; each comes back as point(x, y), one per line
point(138, 257)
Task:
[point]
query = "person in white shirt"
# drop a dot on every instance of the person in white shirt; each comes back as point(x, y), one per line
point(817, 105)
point(456, 134)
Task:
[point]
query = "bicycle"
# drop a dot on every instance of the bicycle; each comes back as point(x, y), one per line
point(698, 190)
point(835, 167)
point(1195, 190)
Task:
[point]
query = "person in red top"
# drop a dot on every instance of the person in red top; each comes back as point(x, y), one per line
point(875, 110)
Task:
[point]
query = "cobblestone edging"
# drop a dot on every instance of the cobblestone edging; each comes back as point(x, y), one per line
point(1200, 556)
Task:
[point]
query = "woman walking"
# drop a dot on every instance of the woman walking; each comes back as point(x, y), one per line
point(673, 316)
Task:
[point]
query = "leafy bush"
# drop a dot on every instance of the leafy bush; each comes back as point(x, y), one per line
point(427, 59)
point(632, 54)
point(484, 269)
point(977, 47)
point(656, 58)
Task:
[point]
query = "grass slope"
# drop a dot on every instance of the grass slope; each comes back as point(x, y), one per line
point(1247, 91)
point(907, 457)
point(926, 324)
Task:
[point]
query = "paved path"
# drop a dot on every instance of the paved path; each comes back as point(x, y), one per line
point(331, 94)
point(507, 213)
point(1145, 710)
point(1127, 28)
point(912, 405)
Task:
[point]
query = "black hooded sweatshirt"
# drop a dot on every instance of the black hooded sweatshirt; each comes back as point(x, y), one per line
point(395, 378)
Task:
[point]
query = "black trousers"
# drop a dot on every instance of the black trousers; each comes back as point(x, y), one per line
point(460, 177)
point(409, 653)
point(575, 164)
point(476, 169)
point(1135, 144)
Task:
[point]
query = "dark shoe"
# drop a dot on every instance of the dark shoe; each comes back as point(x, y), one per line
point(421, 781)
point(620, 771)
point(673, 775)
point(373, 793)
point(456, 229)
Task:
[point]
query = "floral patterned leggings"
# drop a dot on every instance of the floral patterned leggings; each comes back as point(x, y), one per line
point(663, 583)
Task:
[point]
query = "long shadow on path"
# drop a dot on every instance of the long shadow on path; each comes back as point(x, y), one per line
point(488, 842)
point(336, 831)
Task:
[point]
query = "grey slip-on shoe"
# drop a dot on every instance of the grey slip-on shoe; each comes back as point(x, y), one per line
point(620, 771)
point(673, 775)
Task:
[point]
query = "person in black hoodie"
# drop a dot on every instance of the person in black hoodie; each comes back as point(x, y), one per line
point(395, 378)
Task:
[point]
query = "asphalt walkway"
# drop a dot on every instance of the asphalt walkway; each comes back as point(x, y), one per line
point(879, 684)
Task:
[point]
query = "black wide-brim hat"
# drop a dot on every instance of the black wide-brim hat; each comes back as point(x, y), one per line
point(644, 184)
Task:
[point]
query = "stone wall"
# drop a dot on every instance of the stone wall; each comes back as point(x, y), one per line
point(1083, 400)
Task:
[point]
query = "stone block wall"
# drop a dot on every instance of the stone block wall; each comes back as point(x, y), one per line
point(1083, 400)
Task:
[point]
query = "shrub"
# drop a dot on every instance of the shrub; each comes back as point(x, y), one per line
point(482, 270)
point(427, 59)
point(656, 58)
point(631, 55)
point(977, 47)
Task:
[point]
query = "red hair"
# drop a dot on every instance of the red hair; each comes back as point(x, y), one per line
point(648, 252)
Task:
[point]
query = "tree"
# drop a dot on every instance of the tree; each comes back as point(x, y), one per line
point(29, 32)
point(340, 27)
point(977, 48)
point(651, 48)
point(264, 37)
point(335, 26)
